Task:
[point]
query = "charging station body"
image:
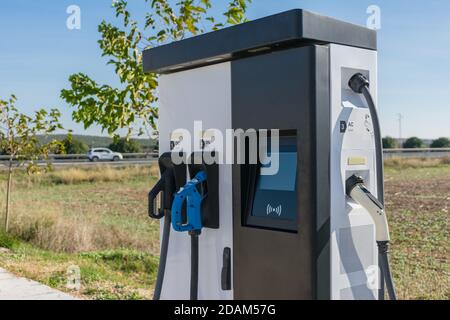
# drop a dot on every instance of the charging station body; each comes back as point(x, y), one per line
point(294, 235)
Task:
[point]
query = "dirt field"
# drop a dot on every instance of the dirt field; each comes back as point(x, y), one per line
point(418, 204)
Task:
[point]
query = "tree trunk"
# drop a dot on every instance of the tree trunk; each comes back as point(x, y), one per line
point(8, 195)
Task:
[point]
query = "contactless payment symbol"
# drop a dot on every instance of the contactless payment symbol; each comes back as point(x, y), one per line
point(276, 210)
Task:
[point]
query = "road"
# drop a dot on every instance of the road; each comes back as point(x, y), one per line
point(15, 288)
point(86, 163)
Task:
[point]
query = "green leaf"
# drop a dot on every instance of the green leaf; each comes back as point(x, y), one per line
point(135, 100)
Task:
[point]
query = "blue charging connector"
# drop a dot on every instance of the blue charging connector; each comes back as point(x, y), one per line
point(193, 225)
point(194, 199)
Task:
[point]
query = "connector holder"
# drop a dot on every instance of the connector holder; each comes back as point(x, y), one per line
point(209, 189)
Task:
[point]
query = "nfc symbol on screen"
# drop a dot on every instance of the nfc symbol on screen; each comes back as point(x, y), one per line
point(276, 210)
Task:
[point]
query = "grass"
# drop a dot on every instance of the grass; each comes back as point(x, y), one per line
point(420, 163)
point(92, 218)
point(111, 274)
point(96, 219)
point(78, 210)
point(418, 204)
point(103, 174)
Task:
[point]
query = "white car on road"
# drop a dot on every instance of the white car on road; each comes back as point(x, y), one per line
point(104, 154)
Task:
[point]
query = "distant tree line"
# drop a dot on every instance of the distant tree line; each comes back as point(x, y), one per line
point(414, 143)
point(123, 145)
point(72, 145)
point(441, 143)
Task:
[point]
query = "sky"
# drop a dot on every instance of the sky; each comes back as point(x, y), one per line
point(38, 53)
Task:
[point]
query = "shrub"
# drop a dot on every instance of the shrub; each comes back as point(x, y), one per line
point(413, 143)
point(441, 143)
point(7, 241)
point(126, 146)
point(389, 143)
point(74, 146)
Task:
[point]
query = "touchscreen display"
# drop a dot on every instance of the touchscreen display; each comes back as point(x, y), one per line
point(276, 195)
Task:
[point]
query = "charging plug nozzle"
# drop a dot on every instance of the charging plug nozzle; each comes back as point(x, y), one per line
point(359, 193)
point(358, 82)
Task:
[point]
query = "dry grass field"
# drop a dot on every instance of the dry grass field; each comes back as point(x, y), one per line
point(93, 218)
point(96, 219)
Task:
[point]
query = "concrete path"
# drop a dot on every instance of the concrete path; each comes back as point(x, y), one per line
point(15, 288)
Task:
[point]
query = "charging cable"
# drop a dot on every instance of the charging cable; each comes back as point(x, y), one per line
point(358, 192)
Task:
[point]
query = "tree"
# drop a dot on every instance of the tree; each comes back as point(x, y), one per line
point(389, 143)
point(125, 145)
point(19, 140)
point(74, 146)
point(413, 143)
point(441, 143)
point(134, 104)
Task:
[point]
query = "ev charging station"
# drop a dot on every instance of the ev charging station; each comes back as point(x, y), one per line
point(311, 230)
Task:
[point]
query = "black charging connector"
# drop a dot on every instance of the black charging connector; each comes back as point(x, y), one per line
point(358, 82)
point(173, 177)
